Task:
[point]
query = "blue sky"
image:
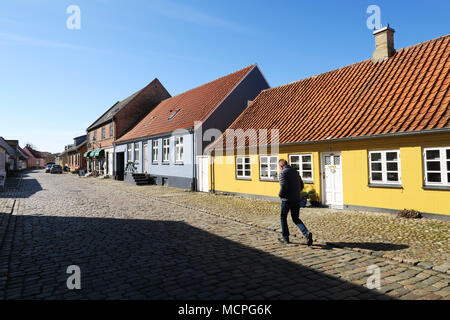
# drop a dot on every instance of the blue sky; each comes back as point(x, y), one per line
point(54, 82)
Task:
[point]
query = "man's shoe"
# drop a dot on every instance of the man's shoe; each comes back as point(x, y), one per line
point(283, 240)
point(310, 240)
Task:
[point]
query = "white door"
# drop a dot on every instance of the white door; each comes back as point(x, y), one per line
point(145, 158)
point(202, 174)
point(332, 187)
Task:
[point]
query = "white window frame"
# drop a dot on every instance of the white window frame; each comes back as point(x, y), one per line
point(128, 152)
point(179, 149)
point(137, 152)
point(103, 133)
point(155, 149)
point(242, 161)
point(166, 150)
point(384, 171)
point(444, 171)
point(268, 160)
point(300, 165)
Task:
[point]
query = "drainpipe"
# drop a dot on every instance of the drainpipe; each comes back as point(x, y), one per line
point(193, 163)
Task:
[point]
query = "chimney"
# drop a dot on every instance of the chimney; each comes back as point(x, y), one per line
point(384, 44)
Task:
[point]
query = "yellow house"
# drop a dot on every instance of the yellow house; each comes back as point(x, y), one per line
point(374, 135)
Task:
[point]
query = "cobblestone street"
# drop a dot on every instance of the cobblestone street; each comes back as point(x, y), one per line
point(130, 245)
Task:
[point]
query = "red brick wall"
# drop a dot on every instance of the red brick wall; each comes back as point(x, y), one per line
point(139, 107)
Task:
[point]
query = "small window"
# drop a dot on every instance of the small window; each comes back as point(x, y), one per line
point(179, 149)
point(174, 114)
point(243, 168)
point(155, 151)
point(136, 153)
point(303, 164)
point(166, 150)
point(268, 169)
point(103, 133)
point(384, 167)
point(437, 166)
point(111, 130)
point(95, 135)
point(129, 152)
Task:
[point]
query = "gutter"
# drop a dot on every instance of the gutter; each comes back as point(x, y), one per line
point(189, 129)
point(397, 134)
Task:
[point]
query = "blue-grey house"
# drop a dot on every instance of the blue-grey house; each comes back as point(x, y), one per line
point(168, 143)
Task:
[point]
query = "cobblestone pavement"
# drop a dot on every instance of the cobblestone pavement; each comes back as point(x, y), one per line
point(133, 246)
point(424, 241)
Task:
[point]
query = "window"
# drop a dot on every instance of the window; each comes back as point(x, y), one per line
point(166, 149)
point(103, 133)
point(88, 137)
point(437, 166)
point(303, 164)
point(155, 151)
point(173, 114)
point(95, 135)
point(179, 149)
point(129, 152)
point(111, 130)
point(384, 167)
point(136, 153)
point(268, 169)
point(243, 168)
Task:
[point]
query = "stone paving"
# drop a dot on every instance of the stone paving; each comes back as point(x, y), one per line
point(134, 246)
point(425, 241)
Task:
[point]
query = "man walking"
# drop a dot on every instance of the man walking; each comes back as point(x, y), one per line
point(291, 186)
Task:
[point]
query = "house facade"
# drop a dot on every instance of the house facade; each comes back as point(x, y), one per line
point(2, 167)
point(168, 143)
point(115, 122)
point(75, 154)
point(11, 158)
point(374, 135)
point(35, 158)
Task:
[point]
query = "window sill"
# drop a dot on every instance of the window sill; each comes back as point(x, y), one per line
point(308, 182)
point(165, 163)
point(436, 187)
point(155, 163)
point(179, 163)
point(268, 180)
point(243, 178)
point(392, 186)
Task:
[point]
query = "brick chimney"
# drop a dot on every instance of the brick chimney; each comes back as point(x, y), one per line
point(384, 44)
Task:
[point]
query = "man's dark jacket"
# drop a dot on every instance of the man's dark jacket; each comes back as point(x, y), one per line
point(291, 184)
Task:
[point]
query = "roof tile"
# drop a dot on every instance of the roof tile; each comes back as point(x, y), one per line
point(407, 92)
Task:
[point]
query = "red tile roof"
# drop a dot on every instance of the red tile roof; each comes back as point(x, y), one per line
point(405, 93)
point(193, 105)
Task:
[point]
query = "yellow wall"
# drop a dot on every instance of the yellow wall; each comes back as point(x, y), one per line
point(354, 173)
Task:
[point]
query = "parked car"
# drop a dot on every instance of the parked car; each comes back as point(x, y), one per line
point(56, 168)
point(48, 167)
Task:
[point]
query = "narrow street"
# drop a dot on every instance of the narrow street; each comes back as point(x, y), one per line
point(133, 247)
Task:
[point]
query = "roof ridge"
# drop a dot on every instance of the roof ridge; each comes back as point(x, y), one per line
point(225, 76)
point(355, 63)
point(132, 96)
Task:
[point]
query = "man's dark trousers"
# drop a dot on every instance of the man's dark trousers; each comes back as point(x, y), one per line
point(294, 207)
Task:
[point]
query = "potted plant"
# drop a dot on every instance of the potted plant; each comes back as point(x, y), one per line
point(131, 167)
point(304, 199)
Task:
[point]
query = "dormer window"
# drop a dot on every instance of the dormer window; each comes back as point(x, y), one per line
point(173, 114)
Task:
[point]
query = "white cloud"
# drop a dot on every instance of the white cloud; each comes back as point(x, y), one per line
point(192, 15)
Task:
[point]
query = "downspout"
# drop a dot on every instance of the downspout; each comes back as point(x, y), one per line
point(194, 186)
